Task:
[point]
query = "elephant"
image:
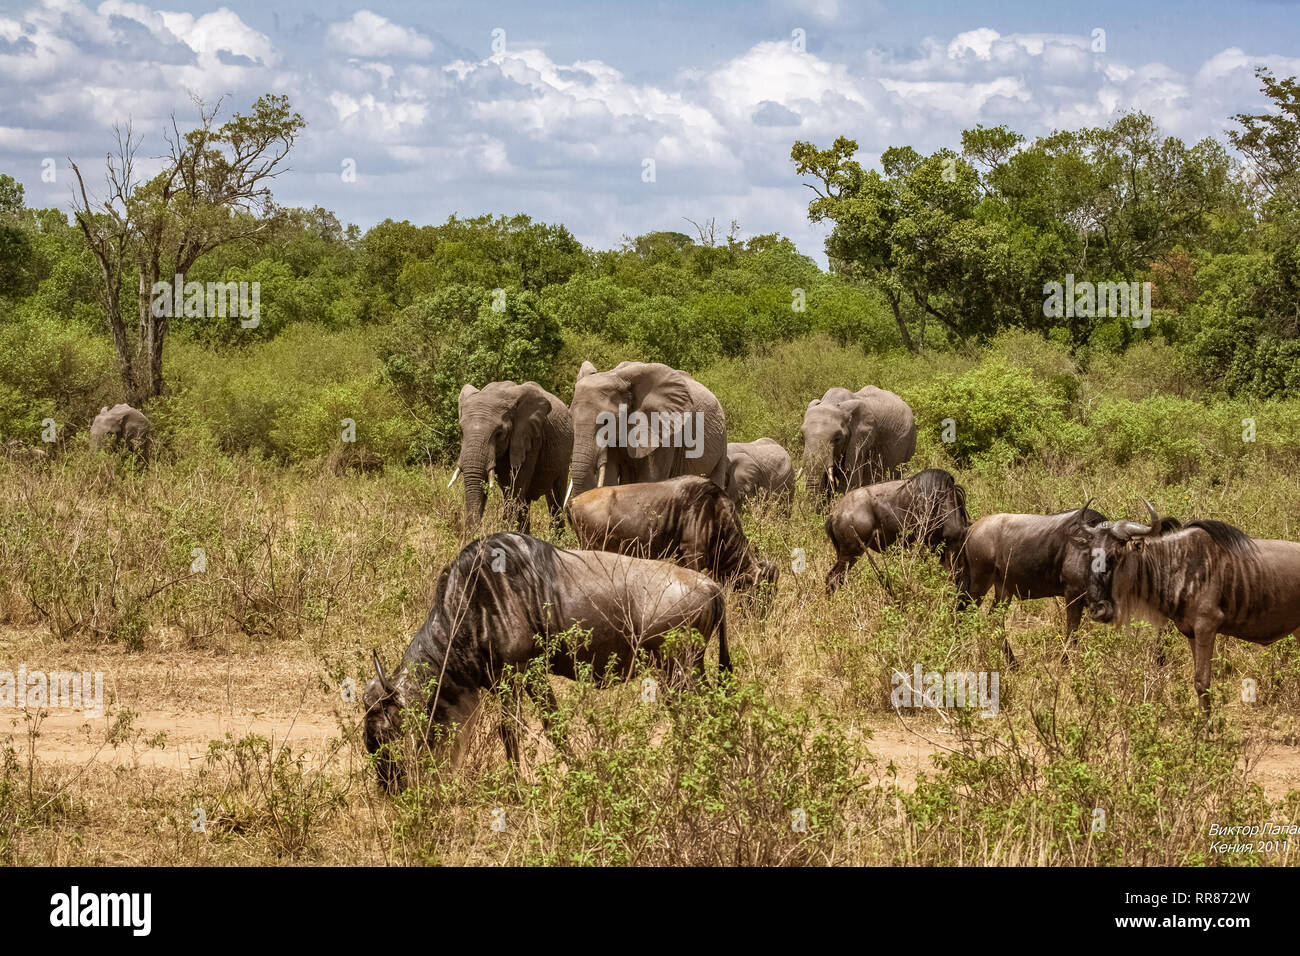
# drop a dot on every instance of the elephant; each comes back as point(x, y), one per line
point(643, 421)
point(524, 435)
point(759, 468)
point(121, 427)
point(851, 439)
point(508, 600)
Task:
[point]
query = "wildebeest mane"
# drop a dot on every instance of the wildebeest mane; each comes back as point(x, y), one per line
point(933, 489)
point(1175, 572)
point(502, 577)
point(1226, 536)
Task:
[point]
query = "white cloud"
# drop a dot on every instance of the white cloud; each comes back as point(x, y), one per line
point(522, 131)
point(369, 34)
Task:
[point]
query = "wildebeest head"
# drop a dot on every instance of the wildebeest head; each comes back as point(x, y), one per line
point(1108, 543)
point(382, 726)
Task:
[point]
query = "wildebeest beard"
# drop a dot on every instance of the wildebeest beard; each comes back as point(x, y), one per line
point(496, 584)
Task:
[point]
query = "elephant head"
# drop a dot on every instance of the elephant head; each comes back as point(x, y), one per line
point(604, 453)
point(836, 443)
point(500, 427)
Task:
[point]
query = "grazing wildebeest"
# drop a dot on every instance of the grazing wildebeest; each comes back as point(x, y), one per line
point(503, 602)
point(689, 520)
point(929, 507)
point(1207, 577)
point(759, 468)
point(1026, 557)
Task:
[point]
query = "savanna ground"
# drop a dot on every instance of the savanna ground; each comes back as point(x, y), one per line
point(234, 691)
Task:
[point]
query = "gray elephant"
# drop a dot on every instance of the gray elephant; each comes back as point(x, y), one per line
point(121, 427)
point(643, 421)
point(759, 468)
point(524, 435)
point(851, 439)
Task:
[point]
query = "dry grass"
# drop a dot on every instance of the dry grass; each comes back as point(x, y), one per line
point(228, 692)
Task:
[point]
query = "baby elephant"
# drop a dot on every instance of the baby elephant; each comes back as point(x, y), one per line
point(688, 520)
point(759, 468)
point(121, 427)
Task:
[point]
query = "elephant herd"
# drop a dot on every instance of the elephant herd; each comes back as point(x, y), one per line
point(644, 422)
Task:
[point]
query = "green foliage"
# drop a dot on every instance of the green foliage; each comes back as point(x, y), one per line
point(997, 414)
point(464, 335)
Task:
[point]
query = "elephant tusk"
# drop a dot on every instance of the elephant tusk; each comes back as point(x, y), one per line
point(454, 475)
point(830, 474)
point(567, 493)
point(492, 479)
point(600, 478)
point(798, 474)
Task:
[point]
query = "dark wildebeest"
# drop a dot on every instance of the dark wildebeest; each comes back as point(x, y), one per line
point(929, 507)
point(1026, 557)
point(1206, 577)
point(509, 599)
point(689, 520)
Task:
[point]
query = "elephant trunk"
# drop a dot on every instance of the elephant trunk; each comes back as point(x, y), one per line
point(819, 472)
point(585, 466)
point(475, 500)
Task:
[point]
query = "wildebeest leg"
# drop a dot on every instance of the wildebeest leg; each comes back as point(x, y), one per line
point(1202, 658)
point(839, 572)
point(555, 504)
point(1002, 603)
point(509, 725)
point(1073, 617)
point(543, 695)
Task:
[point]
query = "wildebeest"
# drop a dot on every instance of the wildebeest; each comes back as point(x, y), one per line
point(504, 601)
point(689, 520)
point(1027, 557)
point(929, 507)
point(757, 468)
point(121, 427)
point(1207, 577)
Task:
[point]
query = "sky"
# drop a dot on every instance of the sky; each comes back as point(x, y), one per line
point(553, 109)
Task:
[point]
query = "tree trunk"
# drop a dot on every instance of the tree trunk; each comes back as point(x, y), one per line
point(902, 325)
point(153, 333)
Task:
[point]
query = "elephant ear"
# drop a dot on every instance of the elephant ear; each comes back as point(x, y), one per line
point(531, 410)
point(465, 393)
point(663, 390)
point(586, 369)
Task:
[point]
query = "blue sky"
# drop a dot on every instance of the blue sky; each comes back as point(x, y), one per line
point(558, 119)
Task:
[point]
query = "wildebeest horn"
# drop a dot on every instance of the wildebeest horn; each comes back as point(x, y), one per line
point(379, 671)
point(454, 475)
point(1155, 518)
